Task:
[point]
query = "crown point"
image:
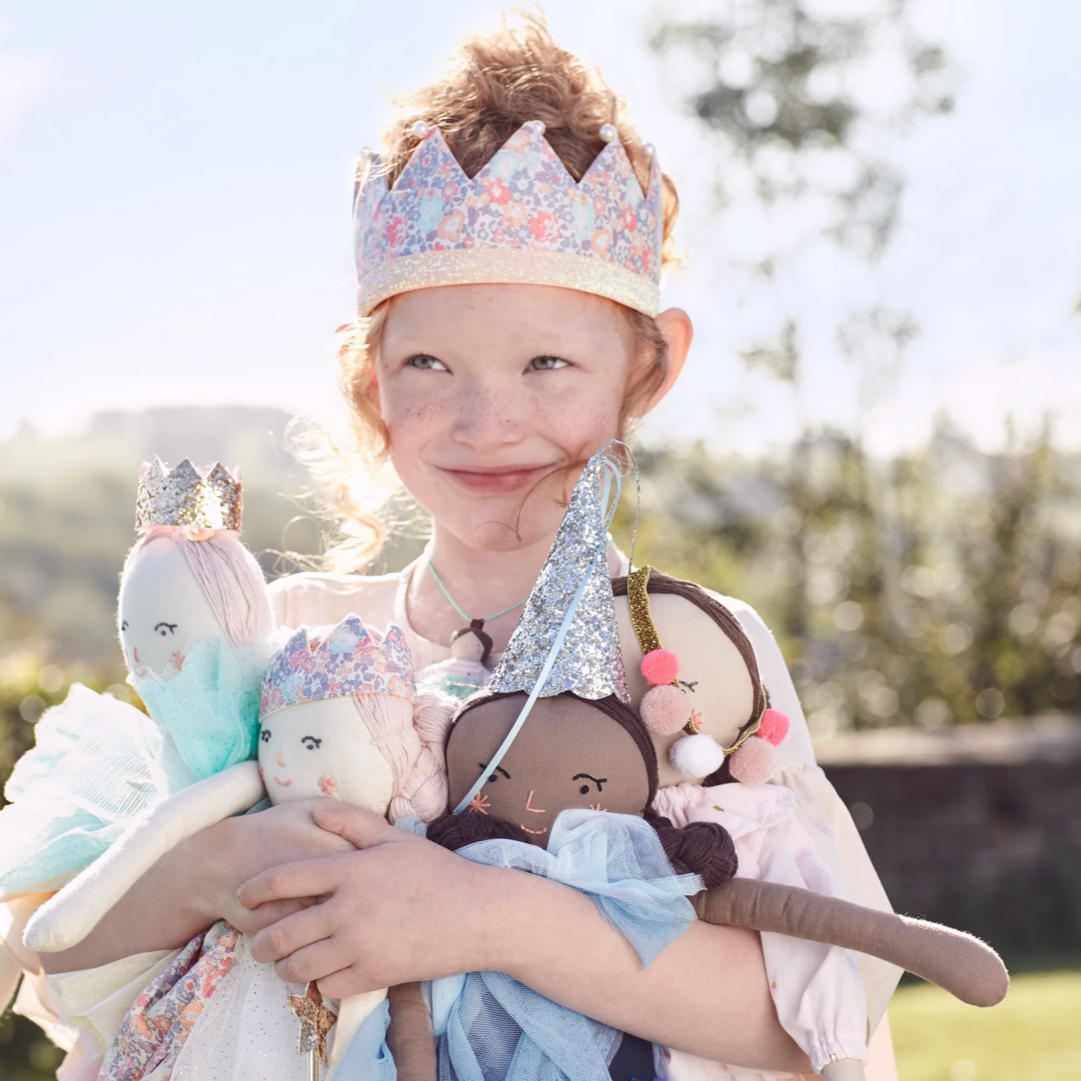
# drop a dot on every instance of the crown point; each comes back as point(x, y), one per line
point(650, 149)
point(421, 128)
point(609, 133)
point(538, 126)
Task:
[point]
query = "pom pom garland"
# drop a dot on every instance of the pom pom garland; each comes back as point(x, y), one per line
point(774, 726)
point(660, 666)
point(753, 762)
point(698, 755)
point(664, 709)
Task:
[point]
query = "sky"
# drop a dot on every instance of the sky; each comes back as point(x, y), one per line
point(174, 201)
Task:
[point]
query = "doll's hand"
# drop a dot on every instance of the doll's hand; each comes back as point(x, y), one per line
point(401, 909)
point(249, 844)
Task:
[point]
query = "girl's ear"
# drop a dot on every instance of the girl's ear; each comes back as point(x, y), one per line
point(676, 329)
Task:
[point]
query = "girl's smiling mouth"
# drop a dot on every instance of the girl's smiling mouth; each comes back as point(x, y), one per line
point(498, 480)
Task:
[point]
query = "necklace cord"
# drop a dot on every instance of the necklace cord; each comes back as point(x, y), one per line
point(457, 607)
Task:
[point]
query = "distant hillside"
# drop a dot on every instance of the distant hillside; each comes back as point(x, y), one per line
point(118, 443)
point(67, 506)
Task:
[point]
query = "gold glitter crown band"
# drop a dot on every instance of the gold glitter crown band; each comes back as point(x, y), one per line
point(186, 497)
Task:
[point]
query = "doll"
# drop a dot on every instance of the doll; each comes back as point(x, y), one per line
point(553, 762)
point(193, 619)
point(194, 623)
point(465, 672)
point(339, 718)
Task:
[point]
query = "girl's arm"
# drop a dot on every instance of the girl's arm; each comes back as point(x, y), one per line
point(195, 884)
point(404, 909)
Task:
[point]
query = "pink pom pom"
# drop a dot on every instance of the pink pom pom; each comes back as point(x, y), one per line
point(774, 726)
point(665, 709)
point(753, 762)
point(659, 666)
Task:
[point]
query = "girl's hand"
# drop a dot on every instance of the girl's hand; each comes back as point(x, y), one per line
point(389, 913)
point(253, 843)
point(194, 884)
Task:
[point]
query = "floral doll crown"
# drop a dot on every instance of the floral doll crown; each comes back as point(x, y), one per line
point(337, 662)
point(522, 219)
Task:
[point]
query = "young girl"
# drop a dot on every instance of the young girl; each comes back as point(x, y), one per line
point(509, 245)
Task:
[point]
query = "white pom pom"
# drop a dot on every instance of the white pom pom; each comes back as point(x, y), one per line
point(696, 756)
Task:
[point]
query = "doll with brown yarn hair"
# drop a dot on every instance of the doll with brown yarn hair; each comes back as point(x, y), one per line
point(576, 774)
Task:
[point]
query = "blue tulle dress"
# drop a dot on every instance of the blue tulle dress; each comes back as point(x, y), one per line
point(490, 1027)
point(98, 763)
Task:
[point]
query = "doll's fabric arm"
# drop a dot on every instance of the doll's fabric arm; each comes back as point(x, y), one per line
point(72, 914)
point(956, 961)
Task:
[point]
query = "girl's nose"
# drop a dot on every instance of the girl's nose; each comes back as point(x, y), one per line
point(281, 761)
point(487, 418)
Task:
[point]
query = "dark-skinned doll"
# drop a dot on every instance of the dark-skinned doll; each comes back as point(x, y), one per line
point(569, 767)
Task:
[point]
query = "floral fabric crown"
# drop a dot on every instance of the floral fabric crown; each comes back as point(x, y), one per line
point(186, 497)
point(337, 662)
point(522, 219)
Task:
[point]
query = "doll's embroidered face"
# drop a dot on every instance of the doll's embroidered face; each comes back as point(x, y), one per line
point(324, 748)
point(162, 609)
point(568, 754)
point(720, 693)
point(486, 390)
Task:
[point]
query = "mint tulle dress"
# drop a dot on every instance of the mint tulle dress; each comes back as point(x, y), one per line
point(98, 763)
point(490, 1027)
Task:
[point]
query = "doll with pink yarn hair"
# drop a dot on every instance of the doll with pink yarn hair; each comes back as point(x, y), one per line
point(340, 717)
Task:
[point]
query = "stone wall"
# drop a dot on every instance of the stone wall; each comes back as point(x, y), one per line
point(985, 836)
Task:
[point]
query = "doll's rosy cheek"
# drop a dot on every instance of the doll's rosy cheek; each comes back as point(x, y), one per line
point(328, 786)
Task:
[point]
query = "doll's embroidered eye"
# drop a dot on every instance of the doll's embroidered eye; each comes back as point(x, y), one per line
point(547, 364)
point(124, 625)
point(426, 362)
point(311, 742)
point(498, 771)
point(264, 735)
point(598, 781)
point(688, 686)
point(165, 629)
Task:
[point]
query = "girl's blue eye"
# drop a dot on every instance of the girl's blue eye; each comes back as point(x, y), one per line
point(426, 363)
point(547, 364)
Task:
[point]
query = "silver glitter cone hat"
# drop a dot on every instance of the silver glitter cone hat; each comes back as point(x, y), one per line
point(588, 661)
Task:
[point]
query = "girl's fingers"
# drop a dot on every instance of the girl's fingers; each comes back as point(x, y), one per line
point(291, 933)
point(310, 963)
point(301, 878)
point(345, 982)
point(361, 828)
point(251, 921)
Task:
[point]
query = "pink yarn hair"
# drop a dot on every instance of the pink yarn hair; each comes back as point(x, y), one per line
point(229, 576)
point(410, 736)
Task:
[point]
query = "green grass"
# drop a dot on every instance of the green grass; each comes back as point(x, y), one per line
point(1034, 1035)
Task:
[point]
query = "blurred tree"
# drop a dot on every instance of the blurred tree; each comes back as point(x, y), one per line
point(801, 104)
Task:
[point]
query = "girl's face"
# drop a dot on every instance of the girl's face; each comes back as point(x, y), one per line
point(324, 748)
point(568, 754)
point(489, 391)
